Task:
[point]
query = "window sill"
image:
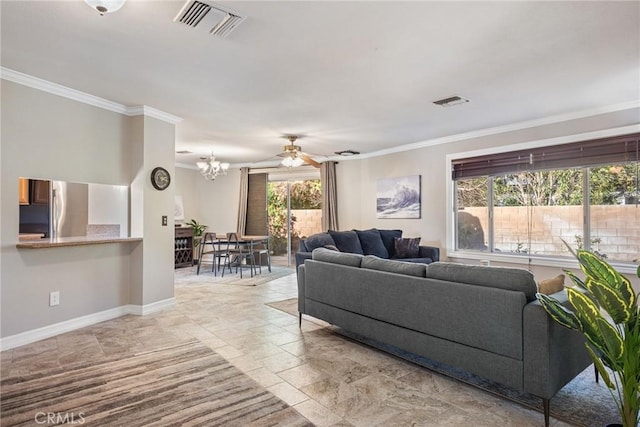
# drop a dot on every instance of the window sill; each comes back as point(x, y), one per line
point(625, 268)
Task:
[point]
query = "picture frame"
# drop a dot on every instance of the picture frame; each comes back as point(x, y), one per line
point(399, 197)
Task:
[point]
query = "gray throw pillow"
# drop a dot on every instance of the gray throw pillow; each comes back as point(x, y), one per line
point(407, 247)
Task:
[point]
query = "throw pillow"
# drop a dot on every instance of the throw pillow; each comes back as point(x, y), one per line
point(347, 241)
point(388, 239)
point(331, 247)
point(371, 243)
point(318, 241)
point(551, 286)
point(407, 247)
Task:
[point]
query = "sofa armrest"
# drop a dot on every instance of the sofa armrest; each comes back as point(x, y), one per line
point(301, 288)
point(429, 252)
point(301, 257)
point(553, 354)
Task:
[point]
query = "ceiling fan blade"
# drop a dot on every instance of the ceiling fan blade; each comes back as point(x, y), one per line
point(310, 161)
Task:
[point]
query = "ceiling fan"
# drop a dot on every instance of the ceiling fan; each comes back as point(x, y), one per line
point(293, 156)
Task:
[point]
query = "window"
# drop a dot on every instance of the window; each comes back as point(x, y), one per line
point(530, 201)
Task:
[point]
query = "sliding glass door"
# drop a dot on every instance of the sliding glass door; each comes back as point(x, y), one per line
point(294, 208)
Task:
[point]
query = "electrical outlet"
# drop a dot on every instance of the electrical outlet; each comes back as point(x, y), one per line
point(164, 220)
point(54, 298)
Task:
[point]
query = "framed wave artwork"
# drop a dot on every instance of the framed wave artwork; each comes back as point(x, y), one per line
point(398, 197)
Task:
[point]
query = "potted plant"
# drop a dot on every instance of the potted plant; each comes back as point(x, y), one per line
point(198, 231)
point(604, 307)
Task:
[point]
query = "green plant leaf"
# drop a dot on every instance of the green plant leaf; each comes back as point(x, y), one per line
point(611, 300)
point(600, 270)
point(558, 312)
point(588, 314)
point(575, 279)
point(600, 367)
point(613, 342)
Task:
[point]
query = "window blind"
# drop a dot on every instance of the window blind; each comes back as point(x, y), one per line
point(617, 149)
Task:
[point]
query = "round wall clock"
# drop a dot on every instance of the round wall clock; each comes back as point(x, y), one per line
point(160, 178)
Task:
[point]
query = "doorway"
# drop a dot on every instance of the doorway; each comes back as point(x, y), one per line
point(295, 212)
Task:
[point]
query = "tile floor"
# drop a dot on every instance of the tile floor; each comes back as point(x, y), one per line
point(330, 380)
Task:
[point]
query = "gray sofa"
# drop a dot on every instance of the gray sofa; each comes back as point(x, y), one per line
point(483, 320)
point(381, 243)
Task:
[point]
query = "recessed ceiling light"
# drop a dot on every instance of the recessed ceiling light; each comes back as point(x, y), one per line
point(451, 101)
point(347, 153)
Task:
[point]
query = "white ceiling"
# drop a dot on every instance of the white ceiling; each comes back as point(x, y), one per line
point(346, 75)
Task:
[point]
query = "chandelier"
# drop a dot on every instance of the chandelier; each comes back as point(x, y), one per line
point(210, 168)
point(105, 6)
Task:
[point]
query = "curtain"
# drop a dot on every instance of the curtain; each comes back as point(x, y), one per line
point(242, 202)
point(329, 196)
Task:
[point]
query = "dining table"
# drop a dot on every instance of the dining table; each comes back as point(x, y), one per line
point(251, 243)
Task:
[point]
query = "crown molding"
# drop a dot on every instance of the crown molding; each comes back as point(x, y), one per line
point(143, 110)
point(56, 89)
point(76, 95)
point(499, 129)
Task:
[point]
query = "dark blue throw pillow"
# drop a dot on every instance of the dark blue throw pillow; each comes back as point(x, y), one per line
point(371, 243)
point(388, 239)
point(318, 241)
point(347, 241)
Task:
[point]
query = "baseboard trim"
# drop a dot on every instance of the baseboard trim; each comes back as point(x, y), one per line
point(143, 310)
point(28, 337)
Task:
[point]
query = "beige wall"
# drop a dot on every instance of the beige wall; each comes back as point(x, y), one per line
point(51, 137)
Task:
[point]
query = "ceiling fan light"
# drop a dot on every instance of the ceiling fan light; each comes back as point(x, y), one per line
point(105, 6)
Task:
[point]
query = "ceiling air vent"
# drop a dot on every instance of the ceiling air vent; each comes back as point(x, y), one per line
point(207, 17)
point(451, 101)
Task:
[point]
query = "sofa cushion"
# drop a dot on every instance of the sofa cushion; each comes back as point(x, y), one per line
point(551, 286)
point(421, 260)
point(371, 243)
point(373, 262)
point(347, 241)
point(331, 248)
point(327, 255)
point(514, 279)
point(318, 240)
point(388, 237)
point(407, 247)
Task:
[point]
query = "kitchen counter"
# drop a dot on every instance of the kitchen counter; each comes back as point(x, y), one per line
point(30, 236)
point(74, 241)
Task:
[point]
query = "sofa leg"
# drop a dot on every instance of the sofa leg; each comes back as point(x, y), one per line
point(545, 405)
point(595, 369)
point(299, 320)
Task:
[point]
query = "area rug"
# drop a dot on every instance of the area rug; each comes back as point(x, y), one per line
point(188, 276)
point(582, 402)
point(186, 384)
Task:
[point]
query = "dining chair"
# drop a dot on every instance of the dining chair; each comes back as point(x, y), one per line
point(237, 252)
point(208, 240)
point(216, 250)
point(260, 248)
